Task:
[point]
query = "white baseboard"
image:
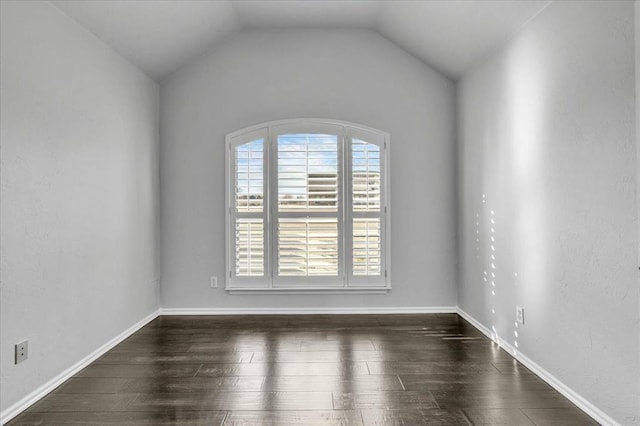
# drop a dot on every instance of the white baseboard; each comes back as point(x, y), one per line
point(43, 390)
point(593, 411)
point(307, 311)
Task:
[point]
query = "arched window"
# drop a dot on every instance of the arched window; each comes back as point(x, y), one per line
point(307, 207)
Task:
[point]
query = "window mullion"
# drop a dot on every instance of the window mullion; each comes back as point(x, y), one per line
point(266, 226)
point(243, 231)
point(347, 237)
point(273, 206)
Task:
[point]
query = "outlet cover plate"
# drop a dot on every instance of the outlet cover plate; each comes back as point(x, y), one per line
point(22, 351)
point(520, 314)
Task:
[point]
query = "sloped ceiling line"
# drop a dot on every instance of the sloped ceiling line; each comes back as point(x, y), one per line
point(159, 37)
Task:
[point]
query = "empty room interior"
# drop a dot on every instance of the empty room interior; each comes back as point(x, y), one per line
point(319, 212)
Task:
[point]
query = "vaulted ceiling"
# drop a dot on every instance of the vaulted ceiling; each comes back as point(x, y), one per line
point(161, 36)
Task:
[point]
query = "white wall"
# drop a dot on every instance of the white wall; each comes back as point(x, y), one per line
point(637, 40)
point(351, 75)
point(79, 186)
point(547, 150)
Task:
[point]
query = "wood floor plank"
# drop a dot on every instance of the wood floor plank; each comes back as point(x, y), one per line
point(245, 345)
point(297, 418)
point(84, 402)
point(511, 367)
point(558, 417)
point(332, 383)
point(234, 401)
point(140, 370)
point(479, 382)
point(384, 400)
point(175, 357)
point(124, 418)
point(88, 385)
point(436, 417)
point(337, 345)
point(441, 355)
point(490, 400)
point(498, 416)
point(151, 347)
point(298, 356)
point(285, 369)
point(408, 368)
point(195, 384)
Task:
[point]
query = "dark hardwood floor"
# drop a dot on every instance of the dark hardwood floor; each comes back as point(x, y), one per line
point(305, 370)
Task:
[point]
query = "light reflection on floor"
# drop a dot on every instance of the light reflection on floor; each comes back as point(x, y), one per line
point(392, 369)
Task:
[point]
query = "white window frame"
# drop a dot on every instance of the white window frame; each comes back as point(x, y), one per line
point(345, 281)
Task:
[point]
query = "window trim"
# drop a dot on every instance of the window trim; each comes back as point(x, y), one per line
point(345, 282)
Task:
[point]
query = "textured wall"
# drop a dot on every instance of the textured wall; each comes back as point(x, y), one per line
point(547, 191)
point(79, 184)
point(354, 76)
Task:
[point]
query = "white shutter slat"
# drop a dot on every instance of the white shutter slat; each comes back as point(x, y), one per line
point(249, 243)
point(366, 246)
point(249, 177)
point(308, 247)
point(248, 197)
point(365, 176)
point(307, 172)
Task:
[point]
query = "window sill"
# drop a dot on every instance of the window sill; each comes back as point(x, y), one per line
point(290, 290)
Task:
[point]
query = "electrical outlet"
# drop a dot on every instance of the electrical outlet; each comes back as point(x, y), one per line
point(22, 351)
point(520, 314)
point(213, 281)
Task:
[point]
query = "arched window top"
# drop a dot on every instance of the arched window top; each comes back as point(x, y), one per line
point(314, 125)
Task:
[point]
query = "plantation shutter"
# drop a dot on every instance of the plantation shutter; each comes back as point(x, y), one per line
point(249, 192)
point(367, 204)
point(307, 164)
